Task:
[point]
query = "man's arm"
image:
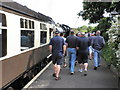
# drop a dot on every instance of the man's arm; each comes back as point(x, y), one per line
point(103, 42)
point(64, 49)
point(50, 48)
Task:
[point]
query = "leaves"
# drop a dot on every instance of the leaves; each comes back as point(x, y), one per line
point(94, 10)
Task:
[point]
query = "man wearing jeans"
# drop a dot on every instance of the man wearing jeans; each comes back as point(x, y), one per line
point(71, 44)
point(97, 44)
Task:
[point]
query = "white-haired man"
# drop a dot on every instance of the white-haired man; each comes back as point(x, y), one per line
point(97, 43)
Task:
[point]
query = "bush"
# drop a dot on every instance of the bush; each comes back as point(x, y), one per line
point(109, 55)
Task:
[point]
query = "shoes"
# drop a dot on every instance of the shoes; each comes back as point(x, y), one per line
point(95, 68)
point(54, 75)
point(72, 73)
point(57, 78)
point(76, 63)
point(85, 73)
point(99, 65)
point(90, 59)
point(80, 70)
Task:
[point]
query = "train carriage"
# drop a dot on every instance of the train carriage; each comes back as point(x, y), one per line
point(24, 38)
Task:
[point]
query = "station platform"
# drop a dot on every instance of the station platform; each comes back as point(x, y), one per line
point(102, 78)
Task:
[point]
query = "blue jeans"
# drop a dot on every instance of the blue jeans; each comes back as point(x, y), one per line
point(72, 58)
point(97, 57)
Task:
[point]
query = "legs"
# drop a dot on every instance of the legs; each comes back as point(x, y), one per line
point(55, 68)
point(81, 68)
point(86, 66)
point(97, 59)
point(58, 70)
point(72, 58)
point(65, 60)
point(83, 58)
point(57, 62)
point(90, 53)
point(65, 65)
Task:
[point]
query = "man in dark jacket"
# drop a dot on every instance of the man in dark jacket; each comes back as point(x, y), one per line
point(57, 48)
point(97, 43)
point(82, 47)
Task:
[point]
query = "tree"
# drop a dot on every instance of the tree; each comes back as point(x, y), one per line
point(94, 10)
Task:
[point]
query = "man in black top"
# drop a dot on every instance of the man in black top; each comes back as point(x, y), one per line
point(57, 48)
point(82, 47)
point(71, 44)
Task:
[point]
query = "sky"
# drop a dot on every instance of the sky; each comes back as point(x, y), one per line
point(61, 11)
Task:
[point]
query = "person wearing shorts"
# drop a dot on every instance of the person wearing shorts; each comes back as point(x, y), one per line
point(57, 48)
point(82, 47)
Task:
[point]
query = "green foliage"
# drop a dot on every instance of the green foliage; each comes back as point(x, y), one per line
point(103, 26)
point(94, 10)
point(114, 41)
point(107, 53)
point(85, 28)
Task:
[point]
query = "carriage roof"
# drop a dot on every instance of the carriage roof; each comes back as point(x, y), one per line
point(14, 6)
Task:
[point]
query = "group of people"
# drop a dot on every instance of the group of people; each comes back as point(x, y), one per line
point(80, 48)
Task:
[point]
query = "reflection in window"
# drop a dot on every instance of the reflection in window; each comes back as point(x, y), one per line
point(21, 23)
point(3, 42)
point(32, 24)
point(26, 23)
point(50, 32)
point(3, 20)
point(27, 39)
point(29, 24)
point(43, 26)
point(43, 37)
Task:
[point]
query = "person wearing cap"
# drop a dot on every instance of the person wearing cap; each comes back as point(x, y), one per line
point(65, 61)
point(97, 43)
point(82, 47)
point(71, 41)
point(57, 47)
point(91, 50)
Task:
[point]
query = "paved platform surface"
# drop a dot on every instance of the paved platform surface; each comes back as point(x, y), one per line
point(100, 78)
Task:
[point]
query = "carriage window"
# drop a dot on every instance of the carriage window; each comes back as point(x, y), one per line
point(29, 24)
point(27, 39)
point(26, 23)
point(21, 23)
point(43, 37)
point(32, 24)
point(43, 26)
point(50, 32)
point(3, 42)
point(3, 20)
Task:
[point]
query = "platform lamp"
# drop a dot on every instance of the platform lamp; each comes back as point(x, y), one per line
point(114, 13)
